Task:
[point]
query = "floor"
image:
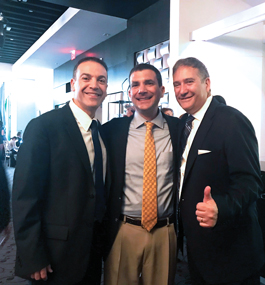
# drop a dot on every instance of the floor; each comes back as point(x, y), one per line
point(8, 251)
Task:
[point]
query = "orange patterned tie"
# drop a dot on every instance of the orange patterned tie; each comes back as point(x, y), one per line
point(149, 205)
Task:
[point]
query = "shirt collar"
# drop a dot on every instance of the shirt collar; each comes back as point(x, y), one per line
point(81, 116)
point(138, 120)
point(200, 114)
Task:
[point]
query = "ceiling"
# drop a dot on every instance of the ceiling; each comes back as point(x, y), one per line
point(43, 33)
point(28, 21)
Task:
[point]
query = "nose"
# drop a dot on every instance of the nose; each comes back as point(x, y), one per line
point(142, 89)
point(183, 89)
point(93, 83)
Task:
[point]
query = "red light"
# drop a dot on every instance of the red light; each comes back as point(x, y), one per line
point(73, 54)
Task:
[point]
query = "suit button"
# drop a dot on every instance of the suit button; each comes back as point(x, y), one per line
point(182, 200)
point(119, 198)
point(91, 196)
point(90, 225)
point(116, 220)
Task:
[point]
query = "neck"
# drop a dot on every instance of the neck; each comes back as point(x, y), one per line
point(149, 116)
point(90, 112)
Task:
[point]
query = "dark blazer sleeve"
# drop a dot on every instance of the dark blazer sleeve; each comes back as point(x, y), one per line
point(30, 181)
point(4, 199)
point(241, 152)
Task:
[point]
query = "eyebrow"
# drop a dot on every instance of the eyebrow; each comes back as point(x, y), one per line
point(88, 74)
point(145, 81)
point(185, 79)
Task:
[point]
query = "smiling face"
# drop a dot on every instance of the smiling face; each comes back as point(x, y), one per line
point(145, 93)
point(89, 86)
point(190, 90)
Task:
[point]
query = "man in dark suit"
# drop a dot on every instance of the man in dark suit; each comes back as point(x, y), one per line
point(58, 205)
point(220, 183)
point(4, 197)
point(141, 254)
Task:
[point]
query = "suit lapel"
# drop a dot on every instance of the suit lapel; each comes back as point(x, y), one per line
point(200, 136)
point(76, 138)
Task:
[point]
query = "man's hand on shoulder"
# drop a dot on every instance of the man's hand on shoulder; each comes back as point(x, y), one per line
point(42, 274)
point(207, 211)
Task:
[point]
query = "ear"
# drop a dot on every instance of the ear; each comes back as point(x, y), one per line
point(130, 94)
point(73, 84)
point(208, 84)
point(162, 89)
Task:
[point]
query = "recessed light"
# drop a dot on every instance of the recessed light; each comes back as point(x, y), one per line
point(31, 11)
point(106, 34)
point(11, 39)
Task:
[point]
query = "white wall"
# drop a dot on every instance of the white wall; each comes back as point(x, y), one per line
point(5, 72)
point(235, 61)
point(31, 95)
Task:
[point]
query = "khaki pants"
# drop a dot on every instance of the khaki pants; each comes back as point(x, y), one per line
point(136, 252)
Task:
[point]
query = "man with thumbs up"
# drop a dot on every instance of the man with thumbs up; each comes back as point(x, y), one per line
point(219, 184)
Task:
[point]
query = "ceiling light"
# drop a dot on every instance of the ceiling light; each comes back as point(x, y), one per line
point(72, 54)
point(31, 11)
point(106, 34)
point(1, 17)
point(8, 29)
point(11, 39)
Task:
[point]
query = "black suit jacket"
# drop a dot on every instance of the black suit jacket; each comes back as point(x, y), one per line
point(232, 250)
point(4, 199)
point(116, 136)
point(53, 199)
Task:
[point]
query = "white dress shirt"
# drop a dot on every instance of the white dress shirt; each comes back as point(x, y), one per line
point(195, 126)
point(84, 121)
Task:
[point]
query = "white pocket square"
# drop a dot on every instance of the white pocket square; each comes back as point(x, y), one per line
point(203, 151)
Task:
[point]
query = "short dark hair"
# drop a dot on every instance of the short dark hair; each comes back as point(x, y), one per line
point(89, 58)
point(144, 66)
point(192, 62)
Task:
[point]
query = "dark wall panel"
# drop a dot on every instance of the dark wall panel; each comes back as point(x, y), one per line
point(149, 27)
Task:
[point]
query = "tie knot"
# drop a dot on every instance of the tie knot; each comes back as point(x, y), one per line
point(149, 125)
point(94, 125)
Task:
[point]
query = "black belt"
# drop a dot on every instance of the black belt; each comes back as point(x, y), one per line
point(159, 224)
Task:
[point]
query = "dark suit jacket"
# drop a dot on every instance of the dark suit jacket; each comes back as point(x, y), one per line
point(53, 199)
point(116, 136)
point(4, 199)
point(232, 250)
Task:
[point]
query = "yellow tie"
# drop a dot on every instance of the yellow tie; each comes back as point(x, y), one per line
point(149, 205)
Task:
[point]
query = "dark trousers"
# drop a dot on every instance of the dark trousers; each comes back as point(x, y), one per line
point(94, 270)
point(13, 162)
point(197, 279)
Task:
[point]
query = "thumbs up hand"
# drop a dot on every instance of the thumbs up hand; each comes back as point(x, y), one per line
point(207, 211)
